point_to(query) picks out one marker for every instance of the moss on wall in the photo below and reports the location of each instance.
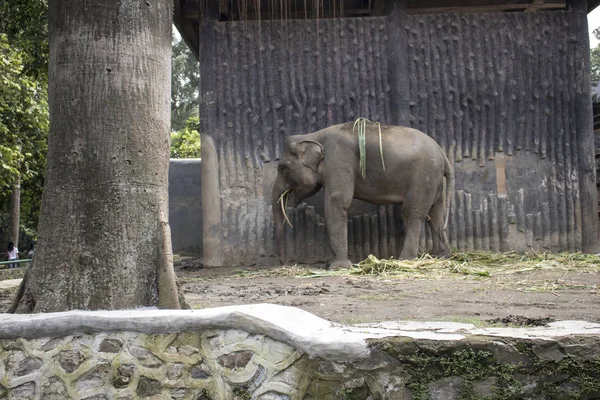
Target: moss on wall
(486, 368)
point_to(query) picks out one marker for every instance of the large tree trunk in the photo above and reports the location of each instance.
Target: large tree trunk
(104, 241)
(15, 212)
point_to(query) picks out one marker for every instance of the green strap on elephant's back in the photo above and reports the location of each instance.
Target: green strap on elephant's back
(362, 143)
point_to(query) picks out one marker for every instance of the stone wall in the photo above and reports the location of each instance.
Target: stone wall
(185, 205)
(273, 352)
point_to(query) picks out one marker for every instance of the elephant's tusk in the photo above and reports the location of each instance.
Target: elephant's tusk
(283, 206)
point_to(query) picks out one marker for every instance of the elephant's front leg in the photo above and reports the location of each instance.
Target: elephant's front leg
(337, 203)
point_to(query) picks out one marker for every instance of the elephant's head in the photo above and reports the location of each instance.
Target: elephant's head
(299, 175)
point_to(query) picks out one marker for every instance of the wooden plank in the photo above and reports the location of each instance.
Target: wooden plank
(441, 6)
(189, 10)
(378, 7)
(536, 5)
(299, 9)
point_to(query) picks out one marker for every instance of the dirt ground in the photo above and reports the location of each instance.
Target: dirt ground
(525, 297)
(519, 298)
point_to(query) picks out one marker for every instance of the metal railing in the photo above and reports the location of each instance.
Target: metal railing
(4, 264)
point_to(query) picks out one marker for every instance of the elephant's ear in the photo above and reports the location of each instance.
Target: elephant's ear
(311, 154)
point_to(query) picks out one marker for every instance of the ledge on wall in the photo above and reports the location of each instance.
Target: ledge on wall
(267, 351)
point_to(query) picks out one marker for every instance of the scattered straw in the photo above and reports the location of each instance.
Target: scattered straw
(479, 265)
(285, 271)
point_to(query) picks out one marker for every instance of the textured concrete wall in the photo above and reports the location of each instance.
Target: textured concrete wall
(503, 93)
(268, 352)
(185, 205)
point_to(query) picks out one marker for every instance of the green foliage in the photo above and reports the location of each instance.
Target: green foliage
(595, 58)
(565, 379)
(23, 119)
(204, 395)
(185, 143)
(185, 76)
(241, 393)
(25, 22)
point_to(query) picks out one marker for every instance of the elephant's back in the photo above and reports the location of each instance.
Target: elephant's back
(410, 134)
(406, 140)
(409, 142)
(392, 132)
(403, 149)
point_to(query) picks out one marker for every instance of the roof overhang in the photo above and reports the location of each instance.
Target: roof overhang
(187, 12)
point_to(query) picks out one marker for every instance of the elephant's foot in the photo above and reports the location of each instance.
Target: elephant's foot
(442, 252)
(339, 264)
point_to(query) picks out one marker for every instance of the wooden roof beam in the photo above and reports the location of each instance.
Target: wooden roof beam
(187, 27)
(442, 6)
(189, 9)
(535, 6)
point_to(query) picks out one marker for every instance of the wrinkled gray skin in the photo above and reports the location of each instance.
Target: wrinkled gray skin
(415, 168)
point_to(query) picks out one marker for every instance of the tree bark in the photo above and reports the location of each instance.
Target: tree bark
(102, 231)
(15, 212)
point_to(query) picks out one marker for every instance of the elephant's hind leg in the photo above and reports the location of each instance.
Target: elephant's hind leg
(441, 247)
(410, 249)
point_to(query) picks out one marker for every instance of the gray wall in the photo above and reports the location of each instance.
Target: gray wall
(185, 206)
(505, 94)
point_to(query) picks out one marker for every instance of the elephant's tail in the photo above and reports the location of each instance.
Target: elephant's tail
(449, 175)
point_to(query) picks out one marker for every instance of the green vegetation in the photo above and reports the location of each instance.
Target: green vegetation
(595, 57)
(185, 76)
(565, 379)
(503, 268)
(478, 263)
(24, 116)
(24, 121)
(185, 122)
(472, 264)
(25, 23)
(241, 393)
(185, 143)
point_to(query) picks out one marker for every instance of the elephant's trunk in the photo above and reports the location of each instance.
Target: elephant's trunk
(278, 201)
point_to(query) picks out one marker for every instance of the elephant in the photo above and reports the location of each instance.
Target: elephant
(403, 166)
